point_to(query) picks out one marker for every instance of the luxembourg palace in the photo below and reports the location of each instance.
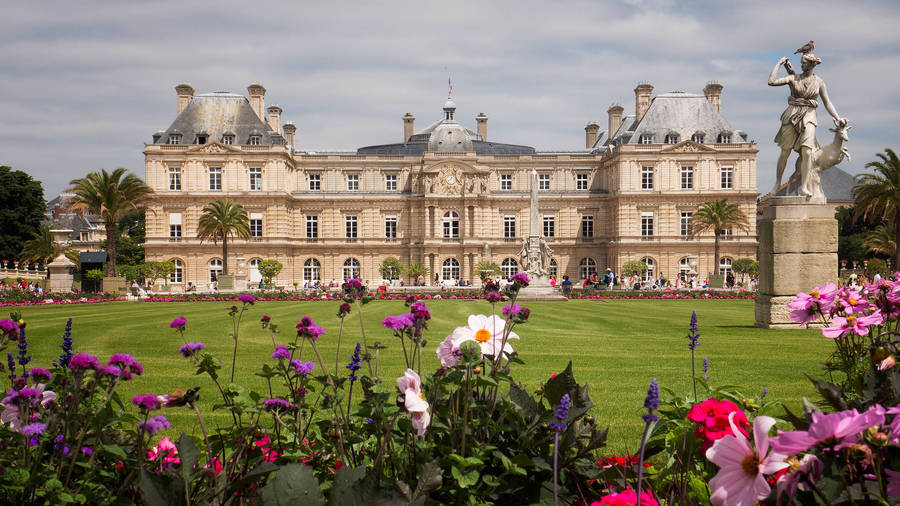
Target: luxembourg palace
(447, 197)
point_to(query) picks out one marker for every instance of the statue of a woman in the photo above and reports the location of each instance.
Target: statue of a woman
(798, 121)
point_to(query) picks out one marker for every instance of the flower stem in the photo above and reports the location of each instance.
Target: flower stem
(556, 468)
(337, 355)
(362, 330)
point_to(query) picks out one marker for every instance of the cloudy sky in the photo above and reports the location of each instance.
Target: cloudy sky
(84, 84)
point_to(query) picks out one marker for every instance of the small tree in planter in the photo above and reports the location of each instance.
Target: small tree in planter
(269, 270)
(634, 265)
(487, 270)
(743, 266)
(157, 270)
(415, 270)
(391, 268)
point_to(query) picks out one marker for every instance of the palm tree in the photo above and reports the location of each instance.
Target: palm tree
(109, 195)
(40, 248)
(487, 270)
(877, 195)
(718, 215)
(221, 219)
(880, 241)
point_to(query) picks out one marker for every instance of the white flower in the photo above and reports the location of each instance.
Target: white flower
(410, 384)
(487, 331)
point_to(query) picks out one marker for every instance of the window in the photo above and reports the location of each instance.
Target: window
(645, 139)
(687, 178)
(174, 227)
(727, 177)
(351, 269)
(350, 227)
(506, 181)
(543, 182)
(215, 179)
(698, 138)
(390, 227)
(201, 138)
(255, 178)
(646, 178)
(254, 140)
(727, 234)
(586, 267)
(648, 276)
(315, 182)
(686, 217)
(646, 224)
(312, 271)
(509, 226)
(685, 270)
(671, 139)
(725, 266)
(84, 236)
(724, 138)
(451, 224)
(255, 276)
(587, 227)
(509, 267)
(177, 275)
(581, 181)
(450, 269)
(352, 182)
(175, 179)
(553, 267)
(174, 139)
(228, 139)
(215, 269)
(390, 182)
(312, 227)
(549, 226)
(256, 228)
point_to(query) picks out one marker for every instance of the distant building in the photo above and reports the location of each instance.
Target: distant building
(88, 230)
(446, 196)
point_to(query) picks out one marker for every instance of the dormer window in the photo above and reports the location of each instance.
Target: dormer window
(254, 140)
(724, 138)
(228, 139)
(698, 138)
(201, 138)
(645, 139)
(671, 139)
(174, 139)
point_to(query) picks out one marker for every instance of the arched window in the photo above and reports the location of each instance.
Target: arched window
(725, 266)
(312, 271)
(649, 275)
(450, 269)
(177, 276)
(215, 269)
(509, 267)
(586, 267)
(255, 276)
(684, 268)
(553, 267)
(671, 138)
(351, 268)
(451, 224)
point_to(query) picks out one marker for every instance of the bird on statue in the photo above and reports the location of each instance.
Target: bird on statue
(807, 48)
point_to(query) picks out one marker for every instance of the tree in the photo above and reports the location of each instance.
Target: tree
(131, 228)
(391, 268)
(877, 195)
(743, 266)
(881, 241)
(222, 219)
(269, 269)
(157, 270)
(22, 208)
(414, 270)
(634, 265)
(109, 195)
(40, 248)
(718, 215)
(487, 270)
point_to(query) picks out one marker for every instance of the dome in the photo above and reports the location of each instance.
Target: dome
(450, 137)
(449, 104)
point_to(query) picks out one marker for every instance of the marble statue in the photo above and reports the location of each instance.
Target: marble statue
(798, 127)
(536, 253)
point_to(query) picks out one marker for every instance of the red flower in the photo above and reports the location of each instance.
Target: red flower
(711, 417)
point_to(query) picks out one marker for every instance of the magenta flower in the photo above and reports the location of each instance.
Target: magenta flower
(33, 429)
(511, 310)
(83, 361)
(127, 363)
(859, 325)
(308, 328)
(246, 298)
(10, 328)
(852, 302)
(420, 311)
(807, 474)
(493, 297)
(741, 479)
(281, 351)
(154, 424)
(303, 368)
(398, 322)
(277, 404)
(39, 374)
(806, 306)
(834, 429)
(893, 483)
(147, 402)
(520, 278)
(178, 323)
(110, 371)
(190, 349)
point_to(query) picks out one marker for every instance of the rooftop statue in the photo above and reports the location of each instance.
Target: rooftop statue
(798, 127)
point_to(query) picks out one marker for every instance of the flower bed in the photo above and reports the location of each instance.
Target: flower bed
(671, 294)
(70, 298)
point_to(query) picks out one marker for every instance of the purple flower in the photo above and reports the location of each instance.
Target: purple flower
(22, 347)
(521, 279)
(11, 362)
(60, 445)
(127, 363)
(190, 348)
(353, 284)
(10, 328)
(410, 299)
(308, 328)
(246, 298)
(66, 346)
(40, 375)
(651, 402)
(354, 363)
(303, 368)
(83, 361)
(420, 311)
(110, 370)
(178, 323)
(344, 310)
(493, 297)
(705, 369)
(562, 414)
(693, 337)
(34, 429)
(398, 322)
(281, 351)
(511, 310)
(155, 424)
(265, 318)
(277, 404)
(147, 402)
(87, 450)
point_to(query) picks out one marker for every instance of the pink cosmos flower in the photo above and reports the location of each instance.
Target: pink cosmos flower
(855, 323)
(410, 384)
(842, 427)
(806, 305)
(446, 353)
(487, 331)
(741, 479)
(808, 473)
(852, 302)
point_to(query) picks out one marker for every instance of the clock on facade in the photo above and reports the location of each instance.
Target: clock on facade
(451, 179)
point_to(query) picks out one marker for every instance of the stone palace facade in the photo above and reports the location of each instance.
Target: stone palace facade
(446, 197)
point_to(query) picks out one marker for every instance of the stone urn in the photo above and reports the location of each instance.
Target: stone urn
(61, 267)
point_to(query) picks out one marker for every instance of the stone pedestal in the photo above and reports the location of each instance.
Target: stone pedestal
(116, 285)
(539, 289)
(797, 251)
(226, 282)
(61, 267)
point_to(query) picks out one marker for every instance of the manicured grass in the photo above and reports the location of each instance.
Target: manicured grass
(615, 346)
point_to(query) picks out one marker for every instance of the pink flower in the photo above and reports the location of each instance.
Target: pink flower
(626, 497)
(167, 450)
(852, 302)
(887, 363)
(832, 428)
(807, 474)
(741, 479)
(446, 353)
(893, 483)
(806, 306)
(859, 325)
(714, 422)
(410, 384)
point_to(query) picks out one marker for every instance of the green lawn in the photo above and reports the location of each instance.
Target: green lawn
(615, 346)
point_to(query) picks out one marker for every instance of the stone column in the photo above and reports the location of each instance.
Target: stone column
(797, 251)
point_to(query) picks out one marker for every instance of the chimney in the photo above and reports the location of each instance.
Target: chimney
(274, 118)
(615, 119)
(257, 99)
(408, 126)
(713, 92)
(481, 119)
(185, 94)
(642, 100)
(590, 134)
(290, 132)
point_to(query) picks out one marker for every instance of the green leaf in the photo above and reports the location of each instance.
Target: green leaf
(162, 489)
(429, 479)
(465, 480)
(115, 450)
(530, 408)
(484, 380)
(831, 393)
(189, 454)
(562, 384)
(292, 484)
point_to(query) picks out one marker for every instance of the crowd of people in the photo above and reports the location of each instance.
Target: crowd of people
(21, 285)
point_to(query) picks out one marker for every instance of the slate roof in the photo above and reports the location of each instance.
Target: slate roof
(92, 257)
(217, 114)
